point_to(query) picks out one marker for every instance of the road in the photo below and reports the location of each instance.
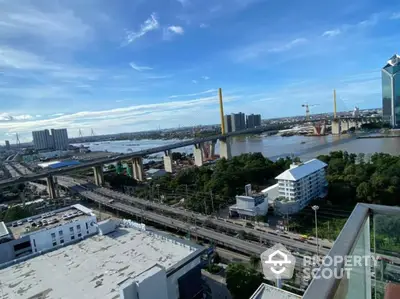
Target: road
(291, 241)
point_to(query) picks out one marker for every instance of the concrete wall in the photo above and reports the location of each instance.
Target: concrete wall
(173, 286)
(7, 252)
(154, 285)
(168, 166)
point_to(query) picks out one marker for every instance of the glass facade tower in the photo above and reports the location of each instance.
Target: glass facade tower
(391, 91)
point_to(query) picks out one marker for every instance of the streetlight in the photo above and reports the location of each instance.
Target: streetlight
(315, 208)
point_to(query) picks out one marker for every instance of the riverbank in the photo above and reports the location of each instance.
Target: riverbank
(378, 136)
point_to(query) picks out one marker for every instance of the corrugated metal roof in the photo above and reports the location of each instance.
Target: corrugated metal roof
(305, 169)
(64, 164)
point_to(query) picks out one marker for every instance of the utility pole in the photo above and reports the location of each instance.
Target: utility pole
(212, 201)
(287, 221)
(315, 208)
(100, 211)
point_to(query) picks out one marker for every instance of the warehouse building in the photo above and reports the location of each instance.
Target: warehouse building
(121, 259)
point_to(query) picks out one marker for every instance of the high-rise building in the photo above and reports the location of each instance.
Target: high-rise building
(60, 139)
(238, 121)
(228, 123)
(391, 91)
(7, 145)
(43, 140)
(253, 121)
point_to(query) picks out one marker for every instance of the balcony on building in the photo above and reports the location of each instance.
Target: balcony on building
(370, 231)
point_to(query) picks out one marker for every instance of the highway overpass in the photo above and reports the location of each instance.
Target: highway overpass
(134, 156)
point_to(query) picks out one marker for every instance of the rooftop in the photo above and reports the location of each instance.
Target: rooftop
(94, 267)
(48, 220)
(298, 172)
(393, 61)
(266, 291)
(3, 230)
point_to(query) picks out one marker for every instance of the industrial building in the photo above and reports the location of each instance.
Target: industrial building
(299, 185)
(111, 259)
(35, 234)
(249, 205)
(391, 91)
(58, 164)
(7, 145)
(57, 140)
(253, 121)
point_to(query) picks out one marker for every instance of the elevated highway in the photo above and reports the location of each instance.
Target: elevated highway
(137, 154)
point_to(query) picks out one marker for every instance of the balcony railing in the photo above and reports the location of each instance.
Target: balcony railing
(371, 233)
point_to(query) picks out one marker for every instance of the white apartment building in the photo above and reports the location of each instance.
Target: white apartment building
(43, 140)
(60, 137)
(299, 185)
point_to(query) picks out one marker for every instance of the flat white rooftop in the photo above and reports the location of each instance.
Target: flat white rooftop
(266, 291)
(91, 268)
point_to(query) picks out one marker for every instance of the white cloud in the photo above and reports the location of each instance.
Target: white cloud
(57, 114)
(288, 46)
(139, 68)
(202, 25)
(193, 94)
(149, 25)
(176, 29)
(8, 117)
(108, 120)
(184, 2)
(56, 25)
(194, 81)
(331, 33)
(22, 61)
(395, 16)
(205, 77)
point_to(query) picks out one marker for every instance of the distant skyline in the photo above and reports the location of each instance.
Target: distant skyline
(132, 65)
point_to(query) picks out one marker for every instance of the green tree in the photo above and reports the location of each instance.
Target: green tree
(255, 261)
(242, 281)
(363, 191)
(15, 213)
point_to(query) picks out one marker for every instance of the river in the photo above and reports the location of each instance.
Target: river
(272, 147)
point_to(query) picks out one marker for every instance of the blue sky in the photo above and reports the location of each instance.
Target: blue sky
(130, 65)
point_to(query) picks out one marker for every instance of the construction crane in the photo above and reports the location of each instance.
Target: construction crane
(308, 109)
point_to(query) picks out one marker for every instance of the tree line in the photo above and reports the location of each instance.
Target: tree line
(207, 188)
